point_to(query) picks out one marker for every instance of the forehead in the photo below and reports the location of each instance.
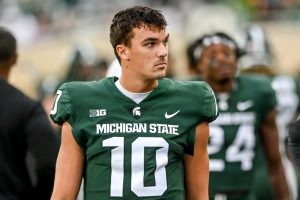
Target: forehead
(217, 48)
(144, 32)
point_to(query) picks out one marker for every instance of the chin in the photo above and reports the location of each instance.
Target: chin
(161, 75)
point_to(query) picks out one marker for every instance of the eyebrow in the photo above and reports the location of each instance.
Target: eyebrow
(150, 39)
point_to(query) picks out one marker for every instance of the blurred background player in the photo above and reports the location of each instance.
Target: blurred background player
(259, 60)
(24, 129)
(246, 122)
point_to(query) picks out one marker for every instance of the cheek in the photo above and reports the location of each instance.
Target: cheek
(141, 55)
(136, 57)
(140, 64)
(202, 66)
(233, 65)
(199, 68)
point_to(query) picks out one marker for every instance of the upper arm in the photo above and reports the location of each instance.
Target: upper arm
(270, 137)
(197, 166)
(69, 166)
(274, 163)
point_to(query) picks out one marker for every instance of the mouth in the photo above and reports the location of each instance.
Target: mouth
(224, 71)
(161, 65)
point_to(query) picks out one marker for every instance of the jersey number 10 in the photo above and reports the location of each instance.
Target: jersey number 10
(137, 166)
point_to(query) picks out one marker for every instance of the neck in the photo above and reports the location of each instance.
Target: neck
(138, 86)
(226, 85)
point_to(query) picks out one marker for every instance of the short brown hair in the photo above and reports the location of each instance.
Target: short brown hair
(126, 20)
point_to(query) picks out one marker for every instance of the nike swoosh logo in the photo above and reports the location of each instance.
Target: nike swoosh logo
(241, 106)
(168, 116)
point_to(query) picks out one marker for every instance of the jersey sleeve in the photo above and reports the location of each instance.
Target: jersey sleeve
(205, 110)
(67, 97)
(209, 108)
(61, 109)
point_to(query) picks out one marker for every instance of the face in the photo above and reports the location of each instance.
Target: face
(218, 63)
(147, 55)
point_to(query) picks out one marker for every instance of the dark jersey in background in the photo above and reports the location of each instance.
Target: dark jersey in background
(24, 128)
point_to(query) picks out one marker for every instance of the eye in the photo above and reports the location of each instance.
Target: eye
(229, 55)
(150, 44)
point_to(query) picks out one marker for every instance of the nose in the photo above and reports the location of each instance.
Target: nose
(221, 57)
(162, 50)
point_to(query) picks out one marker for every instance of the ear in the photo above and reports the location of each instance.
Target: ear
(14, 59)
(123, 52)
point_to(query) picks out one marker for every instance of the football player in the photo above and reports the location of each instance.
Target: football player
(258, 59)
(246, 121)
(140, 136)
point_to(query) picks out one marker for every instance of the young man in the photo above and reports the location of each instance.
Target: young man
(287, 91)
(24, 130)
(246, 122)
(258, 60)
(138, 137)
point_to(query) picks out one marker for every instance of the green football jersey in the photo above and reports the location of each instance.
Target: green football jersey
(134, 151)
(235, 135)
(288, 105)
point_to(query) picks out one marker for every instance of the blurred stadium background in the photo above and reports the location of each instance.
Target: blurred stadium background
(50, 32)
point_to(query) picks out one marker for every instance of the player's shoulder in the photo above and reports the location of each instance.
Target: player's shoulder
(255, 79)
(82, 87)
(188, 86)
(192, 92)
(255, 82)
(79, 85)
(197, 94)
